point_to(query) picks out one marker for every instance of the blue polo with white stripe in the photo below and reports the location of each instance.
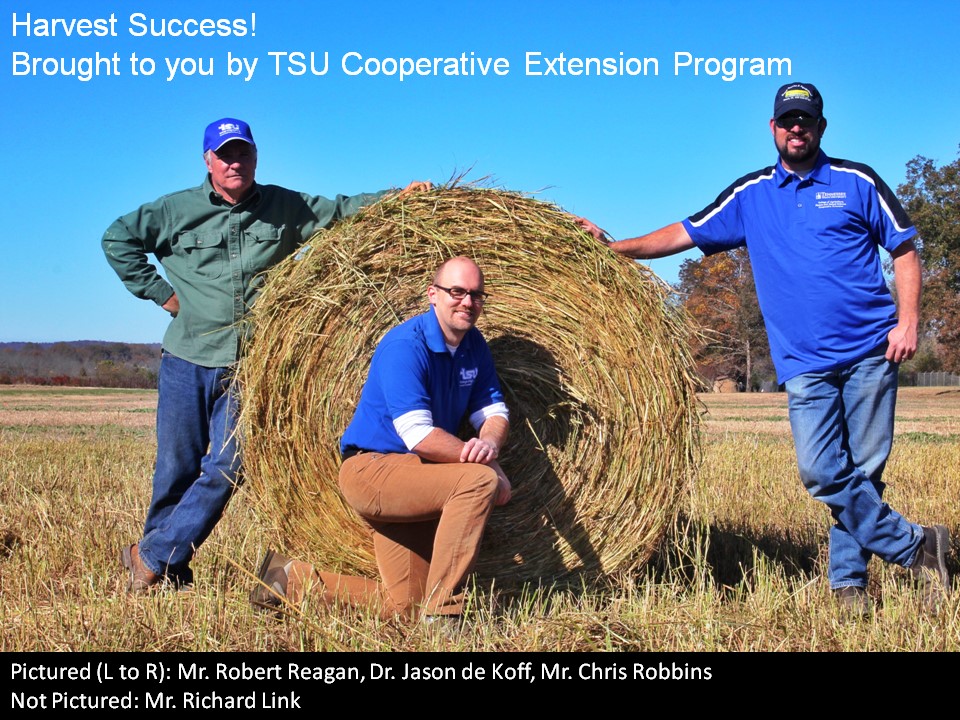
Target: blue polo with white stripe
(412, 369)
(813, 245)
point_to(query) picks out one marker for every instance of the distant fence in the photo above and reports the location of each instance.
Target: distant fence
(929, 379)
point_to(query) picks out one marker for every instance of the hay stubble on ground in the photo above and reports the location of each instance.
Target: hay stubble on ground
(745, 573)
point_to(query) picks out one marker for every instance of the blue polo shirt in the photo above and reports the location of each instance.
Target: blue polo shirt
(813, 247)
(412, 369)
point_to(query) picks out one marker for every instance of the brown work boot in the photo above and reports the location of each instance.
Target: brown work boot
(9, 541)
(142, 578)
(272, 590)
(854, 602)
(929, 566)
(282, 581)
(443, 627)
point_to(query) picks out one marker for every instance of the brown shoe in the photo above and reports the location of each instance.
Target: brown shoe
(854, 602)
(9, 541)
(443, 627)
(142, 578)
(929, 566)
(272, 590)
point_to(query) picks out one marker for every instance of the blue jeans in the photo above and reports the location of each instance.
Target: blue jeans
(197, 464)
(842, 423)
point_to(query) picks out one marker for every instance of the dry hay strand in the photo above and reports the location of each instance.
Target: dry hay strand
(591, 355)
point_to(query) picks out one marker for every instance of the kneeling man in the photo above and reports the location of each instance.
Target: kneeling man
(426, 494)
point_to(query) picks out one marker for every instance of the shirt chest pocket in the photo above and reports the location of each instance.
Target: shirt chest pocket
(266, 246)
(204, 254)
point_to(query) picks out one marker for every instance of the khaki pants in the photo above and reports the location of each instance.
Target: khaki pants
(427, 521)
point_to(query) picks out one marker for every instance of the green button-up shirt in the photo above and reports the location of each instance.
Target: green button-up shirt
(211, 252)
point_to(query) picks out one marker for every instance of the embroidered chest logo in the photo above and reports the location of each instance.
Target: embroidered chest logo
(831, 199)
(468, 376)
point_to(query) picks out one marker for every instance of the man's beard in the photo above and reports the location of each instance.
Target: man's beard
(795, 157)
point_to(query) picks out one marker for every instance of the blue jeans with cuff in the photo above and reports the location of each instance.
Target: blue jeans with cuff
(842, 422)
(197, 464)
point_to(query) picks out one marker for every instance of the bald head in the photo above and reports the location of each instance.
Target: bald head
(457, 296)
(455, 265)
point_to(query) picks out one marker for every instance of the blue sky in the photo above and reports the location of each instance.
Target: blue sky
(632, 153)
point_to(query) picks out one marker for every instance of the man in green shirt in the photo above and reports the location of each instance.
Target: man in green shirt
(212, 241)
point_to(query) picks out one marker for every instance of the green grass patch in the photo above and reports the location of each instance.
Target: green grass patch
(928, 438)
(72, 391)
(749, 418)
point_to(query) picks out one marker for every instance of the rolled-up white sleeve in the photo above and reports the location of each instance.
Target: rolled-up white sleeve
(414, 426)
(478, 418)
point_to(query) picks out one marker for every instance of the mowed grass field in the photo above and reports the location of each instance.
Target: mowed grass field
(743, 570)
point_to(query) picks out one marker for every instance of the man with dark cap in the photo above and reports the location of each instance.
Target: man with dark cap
(212, 241)
(812, 225)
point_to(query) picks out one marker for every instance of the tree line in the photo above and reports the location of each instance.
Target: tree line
(718, 291)
(86, 363)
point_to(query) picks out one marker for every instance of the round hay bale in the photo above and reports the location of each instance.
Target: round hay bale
(592, 358)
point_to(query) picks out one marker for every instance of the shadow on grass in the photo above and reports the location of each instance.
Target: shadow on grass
(726, 555)
(729, 553)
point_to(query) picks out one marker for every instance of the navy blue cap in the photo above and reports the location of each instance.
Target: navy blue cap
(223, 131)
(798, 96)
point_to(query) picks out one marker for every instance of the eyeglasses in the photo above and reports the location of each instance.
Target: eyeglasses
(785, 122)
(459, 293)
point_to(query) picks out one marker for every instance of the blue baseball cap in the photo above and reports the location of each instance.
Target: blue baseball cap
(222, 131)
(798, 96)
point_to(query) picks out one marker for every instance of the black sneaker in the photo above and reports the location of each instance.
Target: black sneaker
(929, 566)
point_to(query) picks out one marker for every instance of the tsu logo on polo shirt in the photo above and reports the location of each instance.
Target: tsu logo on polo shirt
(468, 376)
(831, 199)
